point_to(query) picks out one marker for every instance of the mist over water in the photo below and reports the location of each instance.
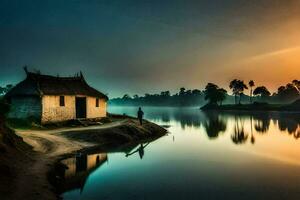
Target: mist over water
(205, 155)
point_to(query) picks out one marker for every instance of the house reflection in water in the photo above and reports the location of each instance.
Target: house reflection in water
(78, 168)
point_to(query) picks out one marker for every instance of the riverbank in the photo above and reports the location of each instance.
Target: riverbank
(293, 107)
(49, 145)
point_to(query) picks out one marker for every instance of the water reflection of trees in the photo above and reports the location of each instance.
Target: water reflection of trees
(185, 116)
(214, 125)
(289, 123)
(239, 135)
(261, 123)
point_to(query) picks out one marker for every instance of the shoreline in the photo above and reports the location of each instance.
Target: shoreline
(51, 146)
(255, 107)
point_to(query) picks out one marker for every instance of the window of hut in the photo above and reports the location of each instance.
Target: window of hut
(62, 101)
(97, 102)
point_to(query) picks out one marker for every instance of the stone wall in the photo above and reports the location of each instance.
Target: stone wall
(25, 107)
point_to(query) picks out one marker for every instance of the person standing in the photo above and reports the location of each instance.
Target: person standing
(140, 115)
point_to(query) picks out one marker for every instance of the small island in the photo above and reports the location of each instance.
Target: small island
(264, 101)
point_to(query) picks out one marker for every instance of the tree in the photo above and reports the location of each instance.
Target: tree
(296, 84)
(214, 94)
(182, 91)
(165, 93)
(196, 92)
(126, 96)
(280, 89)
(238, 87)
(251, 85)
(262, 91)
(288, 92)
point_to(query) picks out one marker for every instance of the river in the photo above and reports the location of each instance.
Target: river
(204, 156)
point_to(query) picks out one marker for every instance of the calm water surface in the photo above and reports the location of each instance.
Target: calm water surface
(204, 156)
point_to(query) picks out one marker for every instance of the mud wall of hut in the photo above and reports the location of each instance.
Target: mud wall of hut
(93, 111)
(53, 112)
(25, 107)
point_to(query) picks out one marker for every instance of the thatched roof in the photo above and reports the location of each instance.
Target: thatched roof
(37, 84)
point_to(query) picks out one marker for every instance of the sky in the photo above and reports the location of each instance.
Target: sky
(140, 46)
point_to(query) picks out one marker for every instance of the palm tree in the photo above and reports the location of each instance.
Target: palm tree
(238, 87)
(251, 85)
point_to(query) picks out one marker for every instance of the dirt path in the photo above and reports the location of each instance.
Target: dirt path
(48, 145)
(51, 143)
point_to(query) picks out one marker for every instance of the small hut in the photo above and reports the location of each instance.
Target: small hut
(54, 99)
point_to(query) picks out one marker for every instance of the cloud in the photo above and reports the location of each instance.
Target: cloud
(275, 53)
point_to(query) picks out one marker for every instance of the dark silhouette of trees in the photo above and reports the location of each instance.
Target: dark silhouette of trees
(126, 96)
(182, 91)
(251, 85)
(238, 87)
(183, 98)
(296, 84)
(214, 94)
(287, 93)
(165, 94)
(261, 91)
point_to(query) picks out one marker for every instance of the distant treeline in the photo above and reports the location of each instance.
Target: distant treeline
(242, 93)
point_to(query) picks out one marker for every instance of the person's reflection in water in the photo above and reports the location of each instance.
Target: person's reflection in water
(140, 150)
